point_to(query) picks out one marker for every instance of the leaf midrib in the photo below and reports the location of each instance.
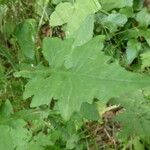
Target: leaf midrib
(99, 78)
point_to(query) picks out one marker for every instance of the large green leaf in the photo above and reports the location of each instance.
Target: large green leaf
(74, 15)
(85, 75)
(3, 11)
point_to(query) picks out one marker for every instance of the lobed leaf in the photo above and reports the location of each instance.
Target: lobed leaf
(87, 76)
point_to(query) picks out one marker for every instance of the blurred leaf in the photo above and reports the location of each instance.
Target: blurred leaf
(143, 18)
(113, 4)
(146, 35)
(145, 57)
(138, 145)
(3, 10)
(42, 9)
(6, 141)
(2, 77)
(56, 1)
(72, 141)
(6, 109)
(138, 4)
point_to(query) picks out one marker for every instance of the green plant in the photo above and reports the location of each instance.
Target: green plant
(88, 89)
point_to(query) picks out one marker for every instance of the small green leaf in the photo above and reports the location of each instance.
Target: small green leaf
(40, 5)
(72, 141)
(26, 37)
(85, 31)
(132, 34)
(113, 21)
(89, 112)
(146, 35)
(6, 109)
(132, 51)
(113, 4)
(128, 11)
